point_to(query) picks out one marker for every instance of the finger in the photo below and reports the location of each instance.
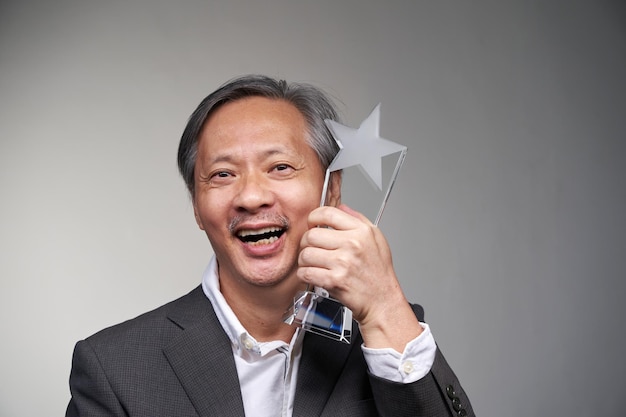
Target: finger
(333, 217)
(313, 276)
(322, 277)
(338, 262)
(321, 237)
(311, 256)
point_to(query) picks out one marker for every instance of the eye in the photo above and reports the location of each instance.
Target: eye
(282, 167)
(283, 170)
(219, 178)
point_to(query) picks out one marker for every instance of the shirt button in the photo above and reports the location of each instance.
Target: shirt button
(407, 367)
(248, 343)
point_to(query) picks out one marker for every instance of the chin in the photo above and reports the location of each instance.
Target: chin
(269, 280)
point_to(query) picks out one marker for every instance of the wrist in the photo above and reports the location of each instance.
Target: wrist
(392, 327)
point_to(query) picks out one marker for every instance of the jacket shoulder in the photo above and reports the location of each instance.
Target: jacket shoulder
(168, 318)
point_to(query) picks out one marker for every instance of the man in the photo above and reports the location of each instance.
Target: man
(253, 156)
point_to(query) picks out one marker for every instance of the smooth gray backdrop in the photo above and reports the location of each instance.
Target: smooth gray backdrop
(507, 222)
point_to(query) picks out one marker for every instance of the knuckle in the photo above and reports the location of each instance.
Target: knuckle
(304, 274)
(303, 258)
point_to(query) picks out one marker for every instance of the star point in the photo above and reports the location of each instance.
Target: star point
(362, 146)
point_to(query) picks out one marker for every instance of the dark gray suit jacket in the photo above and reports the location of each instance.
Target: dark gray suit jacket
(178, 361)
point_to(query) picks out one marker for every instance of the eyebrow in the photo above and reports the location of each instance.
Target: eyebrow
(265, 154)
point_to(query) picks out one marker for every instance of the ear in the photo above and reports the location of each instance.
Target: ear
(333, 195)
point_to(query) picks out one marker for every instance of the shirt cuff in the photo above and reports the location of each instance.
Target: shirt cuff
(413, 364)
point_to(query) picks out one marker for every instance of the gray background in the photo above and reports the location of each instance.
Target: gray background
(507, 221)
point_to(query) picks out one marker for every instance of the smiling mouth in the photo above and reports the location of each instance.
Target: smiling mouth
(263, 236)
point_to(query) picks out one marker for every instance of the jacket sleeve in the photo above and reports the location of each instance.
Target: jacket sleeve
(439, 393)
(92, 395)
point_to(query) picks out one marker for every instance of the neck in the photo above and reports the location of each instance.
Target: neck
(261, 309)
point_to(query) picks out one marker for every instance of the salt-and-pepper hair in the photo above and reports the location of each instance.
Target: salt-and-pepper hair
(314, 105)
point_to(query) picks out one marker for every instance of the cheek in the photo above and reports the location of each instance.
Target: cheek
(300, 204)
(210, 212)
(305, 198)
(310, 189)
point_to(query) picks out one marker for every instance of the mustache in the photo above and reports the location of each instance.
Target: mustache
(258, 218)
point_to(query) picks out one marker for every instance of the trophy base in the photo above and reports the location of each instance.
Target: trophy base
(321, 315)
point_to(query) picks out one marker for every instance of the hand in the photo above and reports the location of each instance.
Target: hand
(350, 258)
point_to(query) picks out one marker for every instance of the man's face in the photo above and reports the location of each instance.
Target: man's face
(256, 181)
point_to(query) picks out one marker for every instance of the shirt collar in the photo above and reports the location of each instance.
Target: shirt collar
(243, 343)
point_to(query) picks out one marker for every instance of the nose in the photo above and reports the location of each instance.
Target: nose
(254, 193)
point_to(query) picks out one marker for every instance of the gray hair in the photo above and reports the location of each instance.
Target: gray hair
(312, 103)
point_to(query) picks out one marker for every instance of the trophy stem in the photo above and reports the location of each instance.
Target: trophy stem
(394, 176)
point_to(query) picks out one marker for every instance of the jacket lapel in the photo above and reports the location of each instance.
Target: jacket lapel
(322, 361)
(202, 358)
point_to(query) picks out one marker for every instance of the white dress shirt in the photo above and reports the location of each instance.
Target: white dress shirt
(268, 371)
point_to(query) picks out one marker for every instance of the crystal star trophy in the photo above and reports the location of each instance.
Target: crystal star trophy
(367, 161)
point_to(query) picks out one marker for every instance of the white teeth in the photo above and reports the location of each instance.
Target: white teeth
(244, 233)
(263, 241)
